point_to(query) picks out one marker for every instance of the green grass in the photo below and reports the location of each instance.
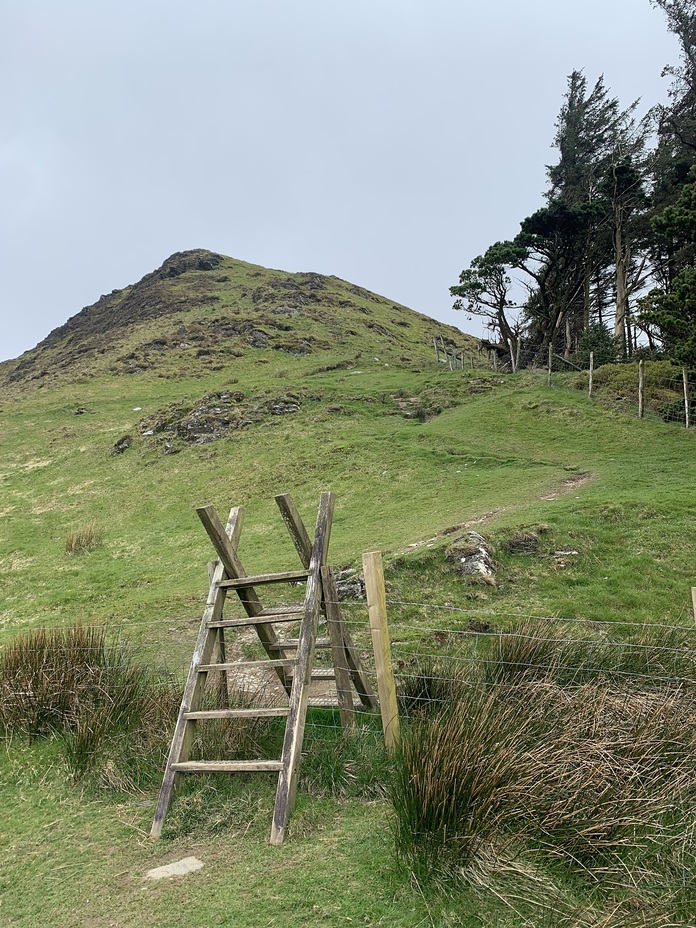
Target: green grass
(504, 456)
(87, 861)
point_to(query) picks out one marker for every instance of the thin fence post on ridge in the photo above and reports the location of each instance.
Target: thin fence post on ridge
(687, 411)
(641, 387)
(589, 389)
(548, 382)
(386, 685)
(437, 349)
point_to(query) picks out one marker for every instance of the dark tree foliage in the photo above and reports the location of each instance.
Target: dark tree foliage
(673, 310)
(580, 252)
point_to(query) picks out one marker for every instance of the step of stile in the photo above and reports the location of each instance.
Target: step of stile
(328, 702)
(288, 576)
(259, 713)
(228, 766)
(246, 665)
(265, 617)
(289, 643)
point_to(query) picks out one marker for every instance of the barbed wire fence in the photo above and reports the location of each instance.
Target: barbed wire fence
(643, 390)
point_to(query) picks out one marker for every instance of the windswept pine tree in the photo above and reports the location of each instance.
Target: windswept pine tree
(585, 249)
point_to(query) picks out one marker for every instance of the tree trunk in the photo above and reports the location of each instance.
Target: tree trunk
(568, 338)
(621, 260)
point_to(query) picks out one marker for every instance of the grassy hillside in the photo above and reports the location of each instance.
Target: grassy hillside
(410, 451)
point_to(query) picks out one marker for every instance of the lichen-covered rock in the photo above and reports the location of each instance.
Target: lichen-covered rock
(350, 585)
(472, 557)
(123, 444)
(211, 417)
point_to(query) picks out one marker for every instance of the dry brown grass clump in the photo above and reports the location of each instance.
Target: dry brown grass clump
(83, 539)
(597, 779)
(73, 683)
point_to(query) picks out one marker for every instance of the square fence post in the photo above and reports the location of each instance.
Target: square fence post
(386, 685)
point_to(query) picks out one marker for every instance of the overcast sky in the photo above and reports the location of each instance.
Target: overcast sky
(385, 141)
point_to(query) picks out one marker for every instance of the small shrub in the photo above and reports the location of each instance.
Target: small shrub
(83, 539)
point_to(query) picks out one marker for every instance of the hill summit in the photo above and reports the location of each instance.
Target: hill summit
(200, 310)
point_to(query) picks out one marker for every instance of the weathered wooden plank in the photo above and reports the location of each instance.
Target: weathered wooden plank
(281, 611)
(286, 576)
(334, 621)
(229, 766)
(296, 527)
(255, 620)
(193, 691)
(377, 607)
(288, 644)
(245, 665)
(260, 713)
(294, 731)
(235, 570)
(328, 702)
(367, 695)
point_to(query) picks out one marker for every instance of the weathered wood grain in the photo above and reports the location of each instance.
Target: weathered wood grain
(334, 621)
(377, 607)
(296, 527)
(294, 731)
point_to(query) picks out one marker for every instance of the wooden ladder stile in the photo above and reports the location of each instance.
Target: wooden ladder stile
(291, 659)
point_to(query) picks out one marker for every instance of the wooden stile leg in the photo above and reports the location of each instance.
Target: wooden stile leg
(334, 623)
(195, 683)
(294, 732)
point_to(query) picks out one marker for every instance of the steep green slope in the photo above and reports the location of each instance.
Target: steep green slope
(410, 451)
(493, 454)
(201, 312)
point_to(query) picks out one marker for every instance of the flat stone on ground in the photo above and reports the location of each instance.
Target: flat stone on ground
(178, 868)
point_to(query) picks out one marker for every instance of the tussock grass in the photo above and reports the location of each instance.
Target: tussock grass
(533, 760)
(83, 539)
(73, 683)
(424, 685)
(544, 650)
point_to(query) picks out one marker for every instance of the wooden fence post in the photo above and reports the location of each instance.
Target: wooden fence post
(641, 387)
(693, 600)
(589, 392)
(548, 379)
(687, 411)
(437, 349)
(386, 685)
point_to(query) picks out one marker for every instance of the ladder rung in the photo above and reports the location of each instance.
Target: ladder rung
(256, 620)
(228, 766)
(286, 577)
(259, 713)
(282, 610)
(239, 665)
(323, 673)
(328, 702)
(288, 643)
